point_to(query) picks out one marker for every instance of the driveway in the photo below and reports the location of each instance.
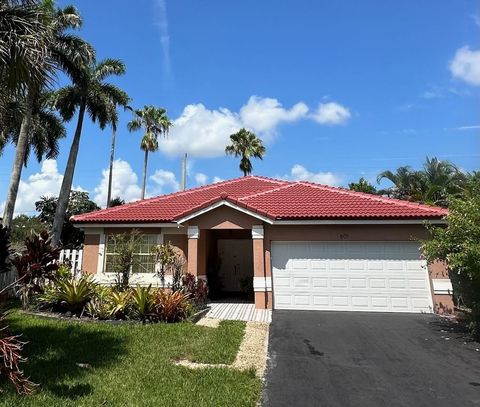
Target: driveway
(369, 359)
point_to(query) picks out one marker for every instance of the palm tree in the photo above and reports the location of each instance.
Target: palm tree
(62, 51)
(45, 132)
(245, 144)
(155, 123)
(433, 184)
(88, 93)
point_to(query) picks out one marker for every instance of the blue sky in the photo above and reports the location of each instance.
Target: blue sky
(337, 90)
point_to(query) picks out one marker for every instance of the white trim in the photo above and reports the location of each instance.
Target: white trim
(257, 232)
(361, 222)
(193, 232)
(101, 254)
(224, 203)
(262, 283)
(126, 225)
(442, 286)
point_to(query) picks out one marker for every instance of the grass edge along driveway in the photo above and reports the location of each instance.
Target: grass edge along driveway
(93, 364)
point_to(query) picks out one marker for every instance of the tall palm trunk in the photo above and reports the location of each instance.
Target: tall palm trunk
(18, 162)
(64, 195)
(112, 156)
(145, 161)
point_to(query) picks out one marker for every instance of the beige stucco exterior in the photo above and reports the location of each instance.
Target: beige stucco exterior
(193, 239)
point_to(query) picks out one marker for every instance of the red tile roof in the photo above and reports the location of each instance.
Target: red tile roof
(275, 199)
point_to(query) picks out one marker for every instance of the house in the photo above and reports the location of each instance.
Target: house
(299, 245)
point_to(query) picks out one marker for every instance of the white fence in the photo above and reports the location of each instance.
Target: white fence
(73, 257)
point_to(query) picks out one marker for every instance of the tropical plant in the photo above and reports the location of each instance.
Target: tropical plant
(117, 201)
(165, 258)
(120, 303)
(36, 264)
(74, 293)
(171, 306)
(60, 51)
(196, 288)
(142, 302)
(24, 47)
(124, 246)
(432, 185)
(155, 122)
(362, 186)
(245, 144)
(79, 202)
(88, 93)
(458, 245)
(10, 359)
(99, 308)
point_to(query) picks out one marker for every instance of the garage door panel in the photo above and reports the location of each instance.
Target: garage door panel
(369, 277)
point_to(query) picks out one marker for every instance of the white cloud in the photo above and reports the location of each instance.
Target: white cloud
(124, 184)
(300, 173)
(263, 115)
(201, 179)
(217, 179)
(47, 183)
(466, 65)
(331, 113)
(202, 132)
(165, 181)
(162, 25)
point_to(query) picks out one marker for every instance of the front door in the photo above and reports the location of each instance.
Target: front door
(236, 263)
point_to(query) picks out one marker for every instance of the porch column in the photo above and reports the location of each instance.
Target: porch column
(262, 285)
(192, 262)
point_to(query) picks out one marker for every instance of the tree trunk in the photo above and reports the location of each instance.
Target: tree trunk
(64, 195)
(144, 174)
(18, 163)
(112, 156)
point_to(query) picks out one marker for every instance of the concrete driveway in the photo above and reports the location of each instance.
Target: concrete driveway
(369, 359)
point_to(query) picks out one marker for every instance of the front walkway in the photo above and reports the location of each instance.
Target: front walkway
(239, 311)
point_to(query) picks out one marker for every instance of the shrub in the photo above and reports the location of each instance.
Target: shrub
(196, 289)
(10, 359)
(171, 306)
(458, 245)
(37, 263)
(120, 302)
(165, 258)
(142, 302)
(99, 308)
(69, 293)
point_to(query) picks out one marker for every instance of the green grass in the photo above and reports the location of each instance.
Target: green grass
(131, 365)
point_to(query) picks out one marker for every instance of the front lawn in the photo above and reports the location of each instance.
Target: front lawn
(94, 364)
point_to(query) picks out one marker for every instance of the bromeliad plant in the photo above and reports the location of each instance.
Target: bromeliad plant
(142, 302)
(171, 306)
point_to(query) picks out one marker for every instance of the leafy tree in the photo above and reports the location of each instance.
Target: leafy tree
(362, 186)
(245, 144)
(88, 93)
(22, 227)
(117, 201)
(458, 245)
(60, 51)
(78, 203)
(155, 122)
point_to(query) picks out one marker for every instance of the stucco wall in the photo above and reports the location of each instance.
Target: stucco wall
(90, 253)
(224, 218)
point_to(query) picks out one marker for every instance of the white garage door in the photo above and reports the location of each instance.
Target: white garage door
(350, 276)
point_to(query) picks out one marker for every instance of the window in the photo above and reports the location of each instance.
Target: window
(143, 261)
